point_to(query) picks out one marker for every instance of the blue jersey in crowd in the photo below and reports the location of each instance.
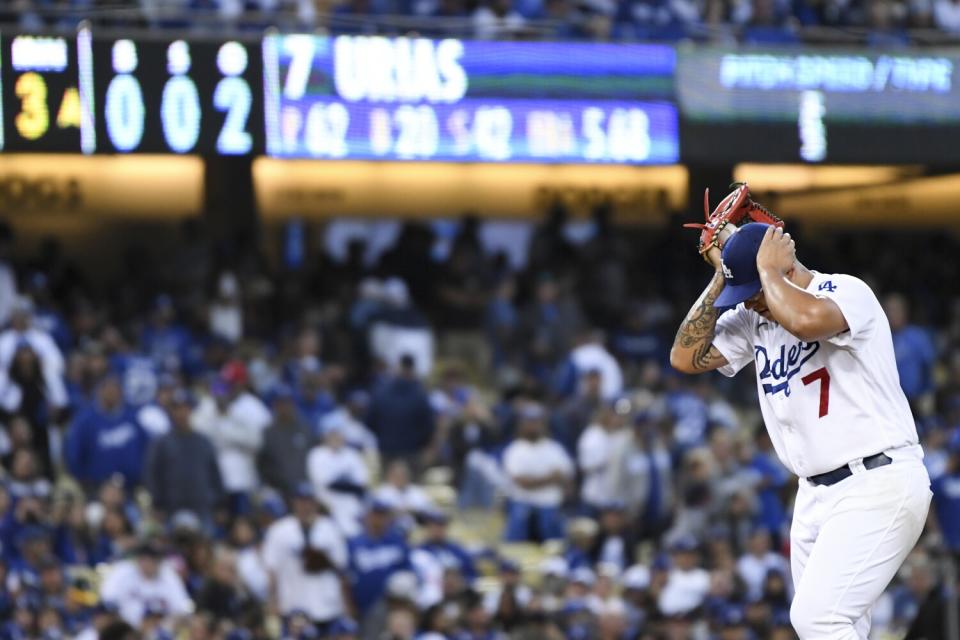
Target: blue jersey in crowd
(373, 561)
(139, 378)
(771, 512)
(101, 444)
(452, 555)
(946, 502)
(915, 355)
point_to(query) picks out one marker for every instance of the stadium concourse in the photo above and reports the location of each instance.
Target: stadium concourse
(476, 447)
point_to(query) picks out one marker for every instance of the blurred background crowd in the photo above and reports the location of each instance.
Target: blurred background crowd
(419, 435)
(875, 22)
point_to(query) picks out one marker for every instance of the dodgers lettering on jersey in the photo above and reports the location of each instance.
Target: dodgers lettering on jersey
(775, 372)
(828, 402)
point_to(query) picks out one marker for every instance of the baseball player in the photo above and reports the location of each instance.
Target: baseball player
(831, 400)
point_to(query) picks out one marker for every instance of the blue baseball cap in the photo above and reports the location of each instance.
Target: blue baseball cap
(738, 261)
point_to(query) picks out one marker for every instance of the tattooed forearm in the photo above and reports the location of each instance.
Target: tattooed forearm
(693, 349)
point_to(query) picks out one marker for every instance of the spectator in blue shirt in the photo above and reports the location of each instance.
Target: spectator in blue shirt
(401, 415)
(313, 398)
(106, 439)
(376, 554)
(168, 343)
(946, 497)
(449, 553)
(773, 477)
(913, 348)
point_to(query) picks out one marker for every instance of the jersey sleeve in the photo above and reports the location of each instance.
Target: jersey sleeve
(857, 303)
(733, 340)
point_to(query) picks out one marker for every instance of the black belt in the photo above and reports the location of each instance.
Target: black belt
(844, 472)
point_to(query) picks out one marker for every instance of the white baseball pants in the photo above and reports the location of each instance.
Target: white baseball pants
(847, 542)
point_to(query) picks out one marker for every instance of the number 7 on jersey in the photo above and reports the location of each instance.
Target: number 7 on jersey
(823, 376)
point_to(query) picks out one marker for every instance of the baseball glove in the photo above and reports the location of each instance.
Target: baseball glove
(737, 208)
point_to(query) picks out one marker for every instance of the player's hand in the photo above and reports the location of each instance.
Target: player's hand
(712, 255)
(777, 252)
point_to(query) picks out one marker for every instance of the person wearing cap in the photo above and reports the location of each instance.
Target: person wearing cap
(596, 451)
(642, 476)
(376, 553)
(33, 548)
(234, 420)
(105, 438)
(306, 557)
(838, 418)
(438, 556)
(340, 478)
(134, 583)
(282, 460)
(182, 472)
(687, 582)
(437, 542)
(540, 472)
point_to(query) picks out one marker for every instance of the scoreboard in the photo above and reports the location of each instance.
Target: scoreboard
(176, 96)
(117, 95)
(344, 97)
(361, 97)
(40, 86)
(370, 97)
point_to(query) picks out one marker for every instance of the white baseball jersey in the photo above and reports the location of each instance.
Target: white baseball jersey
(829, 402)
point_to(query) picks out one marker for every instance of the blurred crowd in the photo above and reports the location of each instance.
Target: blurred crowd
(436, 439)
(885, 22)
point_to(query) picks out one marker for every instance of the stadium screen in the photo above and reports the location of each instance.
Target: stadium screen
(361, 97)
(818, 106)
(94, 94)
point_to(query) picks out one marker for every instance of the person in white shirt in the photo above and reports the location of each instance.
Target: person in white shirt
(596, 451)
(758, 561)
(832, 403)
(23, 334)
(687, 583)
(592, 355)
(540, 471)
(305, 555)
(234, 420)
(408, 499)
(340, 479)
(349, 417)
(132, 584)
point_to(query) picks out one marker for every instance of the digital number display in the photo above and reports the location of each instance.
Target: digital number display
(364, 97)
(824, 106)
(41, 105)
(178, 96)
